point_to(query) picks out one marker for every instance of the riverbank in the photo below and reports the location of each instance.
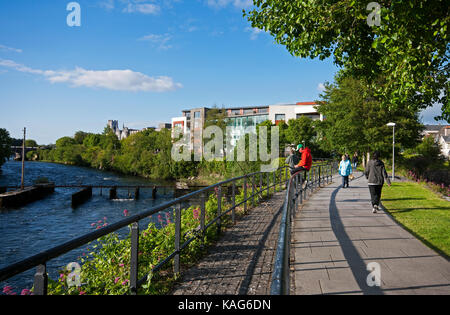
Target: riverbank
(41, 225)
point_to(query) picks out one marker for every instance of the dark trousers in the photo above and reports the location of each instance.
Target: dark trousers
(375, 194)
(298, 169)
(344, 181)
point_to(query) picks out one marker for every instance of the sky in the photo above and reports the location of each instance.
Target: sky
(140, 62)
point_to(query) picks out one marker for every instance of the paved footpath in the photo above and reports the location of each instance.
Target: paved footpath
(241, 261)
(336, 236)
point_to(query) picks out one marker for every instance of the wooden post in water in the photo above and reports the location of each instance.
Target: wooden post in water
(113, 193)
(136, 193)
(23, 160)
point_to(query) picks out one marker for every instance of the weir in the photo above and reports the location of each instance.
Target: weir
(19, 198)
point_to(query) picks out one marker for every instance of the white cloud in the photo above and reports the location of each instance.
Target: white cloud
(161, 41)
(254, 32)
(144, 8)
(6, 48)
(321, 87)
(107, 5)
(116, 80)
(218, 4)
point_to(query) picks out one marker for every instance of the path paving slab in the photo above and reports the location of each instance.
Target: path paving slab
(336, 237)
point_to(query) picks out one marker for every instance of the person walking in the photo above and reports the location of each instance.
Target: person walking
(345, 169)
(355, 160)
(376, 174)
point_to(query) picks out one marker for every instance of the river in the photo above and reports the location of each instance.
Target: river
(46, 223)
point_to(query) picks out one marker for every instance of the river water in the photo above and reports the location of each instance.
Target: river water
(49, 222)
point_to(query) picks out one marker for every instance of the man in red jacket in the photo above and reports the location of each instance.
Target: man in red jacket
(305, 163)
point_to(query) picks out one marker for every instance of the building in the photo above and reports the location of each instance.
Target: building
(241, 120)
(121, 134)
(444, 141)
(441, 134)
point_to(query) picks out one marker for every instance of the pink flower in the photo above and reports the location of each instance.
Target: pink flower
(121, 265)
(125, 282)
(125, 212)
(25, 292)
(99, 221)
(196, 214)
(7, 289)
(93, 224)
(116, 280)
(82, 292)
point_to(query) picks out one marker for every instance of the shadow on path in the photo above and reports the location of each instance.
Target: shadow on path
(354, 260)
(243, 289)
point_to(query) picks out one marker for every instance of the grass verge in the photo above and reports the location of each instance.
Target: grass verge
(421, 212)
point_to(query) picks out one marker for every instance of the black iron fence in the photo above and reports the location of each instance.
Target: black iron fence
(259, 181)
(298, 187)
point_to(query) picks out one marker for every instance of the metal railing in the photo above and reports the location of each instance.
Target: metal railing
(39, 261)
(295, 195)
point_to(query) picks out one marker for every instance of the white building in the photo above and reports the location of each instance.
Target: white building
(286, 112)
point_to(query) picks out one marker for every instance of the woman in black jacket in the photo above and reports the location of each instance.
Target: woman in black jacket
(376, 174)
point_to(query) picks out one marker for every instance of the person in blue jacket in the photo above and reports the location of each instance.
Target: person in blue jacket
(345, 169)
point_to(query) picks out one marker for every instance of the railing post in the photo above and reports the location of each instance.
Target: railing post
(253, 189)
(233, 201)
(219, 208)
(260, 184)
(176, 261)
(40, 280)
(134, 260)
(319, 175)
(245, 195)
(268, 184)
(286, 177)
(281, 179)
(202, 215)
(274, 182)
(301, 189)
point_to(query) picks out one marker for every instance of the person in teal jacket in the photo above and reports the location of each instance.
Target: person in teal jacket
(345, 169)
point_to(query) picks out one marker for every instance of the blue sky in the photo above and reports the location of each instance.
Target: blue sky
(140, 62)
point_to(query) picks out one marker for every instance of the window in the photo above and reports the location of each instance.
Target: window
(196, 114)
(248, 111)
(311, 116)
(279, 117)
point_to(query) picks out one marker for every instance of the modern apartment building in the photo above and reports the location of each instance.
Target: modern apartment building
(242, 120)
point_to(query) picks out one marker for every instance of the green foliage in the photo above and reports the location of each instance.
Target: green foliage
(5, 145)
(355, 120)
(426, 155)
(105, 267)
(31, 143)
(409, 49)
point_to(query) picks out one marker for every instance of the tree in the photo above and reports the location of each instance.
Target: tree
(80, 136)
(5, 145)
(300, 130)
(31, 143)
(404, 57)
(357, 122)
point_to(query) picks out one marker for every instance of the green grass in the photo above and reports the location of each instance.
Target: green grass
(421, 212)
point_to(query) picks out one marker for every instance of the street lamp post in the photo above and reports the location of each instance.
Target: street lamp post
(391, 124)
